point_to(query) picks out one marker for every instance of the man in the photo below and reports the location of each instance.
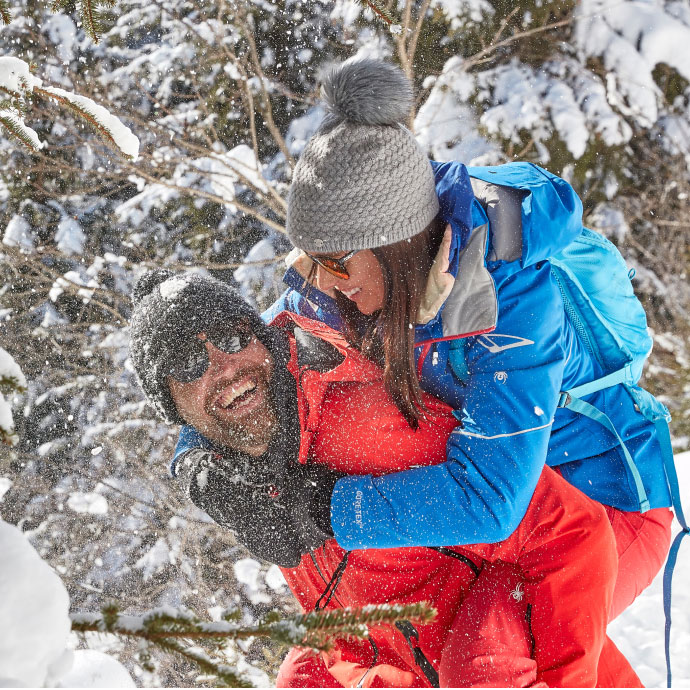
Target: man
(285, 411)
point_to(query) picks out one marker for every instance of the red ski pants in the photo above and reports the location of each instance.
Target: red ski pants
(492, 644)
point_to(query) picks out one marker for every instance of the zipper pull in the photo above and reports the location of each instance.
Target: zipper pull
(434, 358)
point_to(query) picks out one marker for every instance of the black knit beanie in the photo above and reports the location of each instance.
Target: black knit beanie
(171, 308)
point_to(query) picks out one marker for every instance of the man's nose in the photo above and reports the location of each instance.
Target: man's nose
(222, 362)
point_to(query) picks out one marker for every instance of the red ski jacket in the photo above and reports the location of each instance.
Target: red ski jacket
(349, 423)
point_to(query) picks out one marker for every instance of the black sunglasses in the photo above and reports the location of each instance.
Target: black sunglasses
(334, 266)
(190, 360)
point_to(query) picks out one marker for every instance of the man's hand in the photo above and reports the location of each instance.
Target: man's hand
(278, 526)
(439, 283)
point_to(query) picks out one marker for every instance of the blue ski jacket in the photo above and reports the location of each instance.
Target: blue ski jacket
(500, 351)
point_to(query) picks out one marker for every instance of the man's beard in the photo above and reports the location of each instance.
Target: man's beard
(242, 409)
(282, 434)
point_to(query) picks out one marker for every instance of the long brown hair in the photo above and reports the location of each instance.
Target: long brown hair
(388, 336)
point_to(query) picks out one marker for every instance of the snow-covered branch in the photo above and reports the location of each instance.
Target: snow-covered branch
(19, 84)
(173, 630)
(11, 381)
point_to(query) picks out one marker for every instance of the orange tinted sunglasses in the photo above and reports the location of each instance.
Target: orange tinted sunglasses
(334, 266)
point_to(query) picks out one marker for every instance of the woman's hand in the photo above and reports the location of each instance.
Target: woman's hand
(439, 283)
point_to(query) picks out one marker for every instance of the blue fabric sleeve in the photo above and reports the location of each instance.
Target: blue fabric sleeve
(495, 458)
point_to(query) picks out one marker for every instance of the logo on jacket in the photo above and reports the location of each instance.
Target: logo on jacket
(496, 342)
(517, 593)
(358, 509)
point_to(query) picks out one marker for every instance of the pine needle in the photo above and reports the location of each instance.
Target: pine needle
(13, 126)
(10, 384)
(177, 631)
(91, 19)
(5, 14)
(58, 5)
(83, 113)
(228, 677)
(379, 10)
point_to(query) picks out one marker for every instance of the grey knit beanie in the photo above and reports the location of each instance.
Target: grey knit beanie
(362, 180)
(170, 309)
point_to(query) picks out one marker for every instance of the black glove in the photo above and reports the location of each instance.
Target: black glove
(276, 525)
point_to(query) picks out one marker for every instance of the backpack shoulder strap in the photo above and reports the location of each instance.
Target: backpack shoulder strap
(570, 399)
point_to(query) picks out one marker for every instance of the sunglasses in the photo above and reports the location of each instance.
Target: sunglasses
(334, 266)
(190, 360)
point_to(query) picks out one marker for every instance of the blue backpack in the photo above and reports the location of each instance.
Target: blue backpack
(601, 304)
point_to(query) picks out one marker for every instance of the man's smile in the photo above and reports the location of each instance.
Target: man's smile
(240, 396)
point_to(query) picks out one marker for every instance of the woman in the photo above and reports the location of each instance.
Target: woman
(471, 313)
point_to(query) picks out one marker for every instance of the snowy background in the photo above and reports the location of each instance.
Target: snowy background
(639, 631)
(221, 100)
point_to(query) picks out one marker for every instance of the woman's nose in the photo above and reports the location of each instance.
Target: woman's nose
(325, 281)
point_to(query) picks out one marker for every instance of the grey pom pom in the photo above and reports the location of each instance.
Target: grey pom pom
(367, 92)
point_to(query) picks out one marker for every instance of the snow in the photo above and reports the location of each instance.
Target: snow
(274, 578)
(7, 421)
(633, 38)
(157, 557)
(9, 368)
(18, 233)
(5, 485)
(457, 10)
(639, 631)
(91, 503)
(124, 139)
(16, 78)
(15, 75)
(34, 609)
(63, 33)
(69, 236)
(93, 669)
(248, 572)
(171, 288)
(610, 221)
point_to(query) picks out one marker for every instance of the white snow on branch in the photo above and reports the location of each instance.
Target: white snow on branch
(90, 502)
(10, 371)
(632, 38)
(17, 82)
(17, 122)
(69, 236)
(458, 10)
(18, 233)
(15, 75)
(123, 137)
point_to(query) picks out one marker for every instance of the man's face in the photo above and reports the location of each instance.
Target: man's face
(230, 403)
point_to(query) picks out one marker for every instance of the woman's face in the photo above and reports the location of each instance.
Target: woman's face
(365, 285)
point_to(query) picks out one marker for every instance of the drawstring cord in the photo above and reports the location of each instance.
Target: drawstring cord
(332, 584)
(405, 627)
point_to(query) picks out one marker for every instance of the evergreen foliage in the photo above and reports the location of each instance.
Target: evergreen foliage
(178, 632)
